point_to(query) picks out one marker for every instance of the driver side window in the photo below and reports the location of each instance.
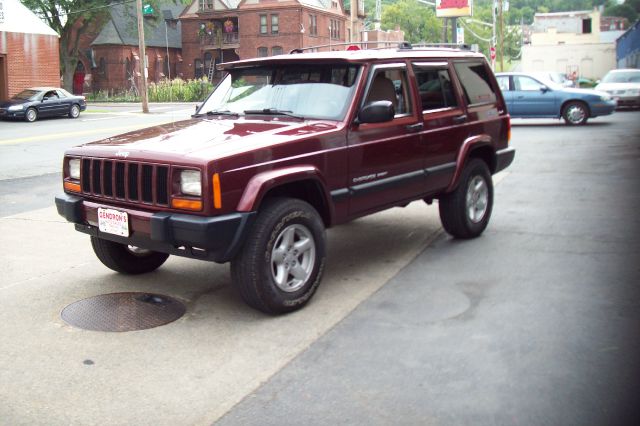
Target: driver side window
(50, 95)
(391, 84)
(527, 84)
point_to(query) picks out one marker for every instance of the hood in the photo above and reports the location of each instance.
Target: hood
(583, 92)
(207, 138)
(617, 86)
(9, 102)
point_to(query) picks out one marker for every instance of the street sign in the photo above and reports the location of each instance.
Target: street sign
(492, 51)
(147, 9)
(460, 35)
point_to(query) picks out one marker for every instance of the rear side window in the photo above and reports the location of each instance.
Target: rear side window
(434, 85)
(476, 82)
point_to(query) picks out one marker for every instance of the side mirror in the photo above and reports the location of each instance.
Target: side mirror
(377, 112)
(197, 107)
(544, 89)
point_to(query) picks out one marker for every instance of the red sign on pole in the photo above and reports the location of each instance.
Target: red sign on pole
(492, 53)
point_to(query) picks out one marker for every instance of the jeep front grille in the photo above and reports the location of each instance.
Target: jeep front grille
(127, 181)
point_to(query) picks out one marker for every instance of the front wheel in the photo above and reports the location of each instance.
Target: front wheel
(74, 111)
(31, 115)
(127, 259)
(575, 113)
(280, 266)
(465, 212)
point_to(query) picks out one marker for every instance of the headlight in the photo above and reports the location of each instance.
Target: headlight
(16, 107)
(74, 168)
(190, 182)
(605, 98)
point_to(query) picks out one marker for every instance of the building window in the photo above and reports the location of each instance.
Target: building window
(263, 24)
(313, 25)
(276, 50)
(197, 65)
(262, 52)
(206, 4)
(586, 26)
(274, 24)
(207, 63)
(334, 29)
(334, 4)
(102, 67)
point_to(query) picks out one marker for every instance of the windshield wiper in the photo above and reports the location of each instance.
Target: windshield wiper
(274, 111)
(223, 112)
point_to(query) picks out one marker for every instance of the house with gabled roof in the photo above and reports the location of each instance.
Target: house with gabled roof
(113, 57)
(215, 31)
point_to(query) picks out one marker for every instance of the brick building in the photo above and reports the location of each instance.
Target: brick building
(113, 57)
(215, 31)
(28, 50)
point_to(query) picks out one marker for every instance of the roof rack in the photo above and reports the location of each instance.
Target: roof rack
(399, 45)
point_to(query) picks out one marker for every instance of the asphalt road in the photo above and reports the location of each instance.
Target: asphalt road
(31, 153)
(534, 323)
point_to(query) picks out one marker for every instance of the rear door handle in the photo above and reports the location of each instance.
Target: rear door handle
(460, 119)
(415, 127)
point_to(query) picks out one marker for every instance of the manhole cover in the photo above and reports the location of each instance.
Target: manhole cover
(123, 312)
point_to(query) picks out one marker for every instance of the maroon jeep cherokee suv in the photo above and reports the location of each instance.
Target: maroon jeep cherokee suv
(286, 147)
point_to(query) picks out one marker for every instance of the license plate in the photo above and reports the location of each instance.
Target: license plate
(113, 221)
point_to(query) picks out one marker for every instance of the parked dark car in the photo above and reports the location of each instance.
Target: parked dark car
(285, 147)
(527, 96)
(30, 104)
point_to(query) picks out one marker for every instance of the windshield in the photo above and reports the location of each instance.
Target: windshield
(302, 90)
(622, 77)
(26, 94)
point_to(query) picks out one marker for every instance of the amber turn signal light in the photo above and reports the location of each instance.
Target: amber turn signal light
(181, 203)
(217, 195)
(73, 187)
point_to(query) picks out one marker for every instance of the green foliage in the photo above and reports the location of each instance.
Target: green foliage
(176, 90)
(623, 10)
(418, 21)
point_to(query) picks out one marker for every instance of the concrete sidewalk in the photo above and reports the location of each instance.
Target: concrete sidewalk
(535, 323)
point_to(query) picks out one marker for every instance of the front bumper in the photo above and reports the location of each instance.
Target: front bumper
(603, 108)
(504, 158)
(5, 113)
(215, 238)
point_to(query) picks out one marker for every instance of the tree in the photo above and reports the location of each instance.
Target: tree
(623, 10)
(418, 21)
(70, 19)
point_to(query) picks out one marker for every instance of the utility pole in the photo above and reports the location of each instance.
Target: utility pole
(143, 59)
(492, 48)
(501, 35)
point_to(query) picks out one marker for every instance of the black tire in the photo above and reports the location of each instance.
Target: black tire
(31, 115)
(575, 113)
(126, 259)
(74, 111)
(280, 265)
(465, 212)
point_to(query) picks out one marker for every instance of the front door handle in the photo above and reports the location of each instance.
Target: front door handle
(460, 119)
(415, 127)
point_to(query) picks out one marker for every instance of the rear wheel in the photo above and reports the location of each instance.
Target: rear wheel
(74, 111)
(575, 113)
(280, 266)
(31, 115)
(465, 212)
(127, 259)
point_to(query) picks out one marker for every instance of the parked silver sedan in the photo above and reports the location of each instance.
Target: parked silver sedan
(623, 85)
